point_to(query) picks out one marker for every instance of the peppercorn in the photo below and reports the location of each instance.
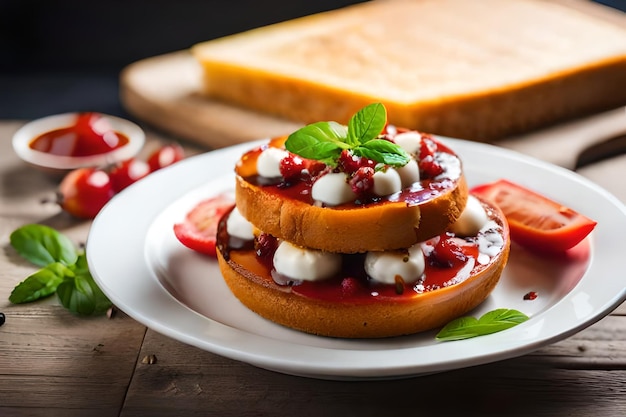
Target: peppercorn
(2, 318)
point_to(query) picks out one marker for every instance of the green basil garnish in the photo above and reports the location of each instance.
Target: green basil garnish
(324, 141)
(491, 322)
(65, 271)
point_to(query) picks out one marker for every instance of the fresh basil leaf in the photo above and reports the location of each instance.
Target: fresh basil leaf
(491, 322)
(81, 267)
(322, 141)
(381, 150)
(332, 132)
(366, 124)
(81, 295)
(503, 315)
(42, 245)
(41, 284)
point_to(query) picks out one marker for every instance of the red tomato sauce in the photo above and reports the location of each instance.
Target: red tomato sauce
(352, 283)
(427, 189)
(90, 135)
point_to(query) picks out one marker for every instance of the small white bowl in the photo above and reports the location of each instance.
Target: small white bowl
(58, 164)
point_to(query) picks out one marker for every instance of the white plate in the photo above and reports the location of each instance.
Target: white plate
(137, 261)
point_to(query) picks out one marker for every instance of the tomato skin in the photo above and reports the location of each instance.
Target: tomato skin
(166, 155)
(128, 172)
(536, 222)
(92, 128)
(84, 191)
(199, 229)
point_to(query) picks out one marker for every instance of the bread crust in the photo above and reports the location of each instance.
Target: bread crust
(349, 319)
(392, 225)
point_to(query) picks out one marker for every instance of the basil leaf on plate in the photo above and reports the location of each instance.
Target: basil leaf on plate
(491, 322)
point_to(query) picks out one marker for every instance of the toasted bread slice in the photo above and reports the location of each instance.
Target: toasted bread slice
(391, 225)
(477, 70)
(417, 213)
(357, 315)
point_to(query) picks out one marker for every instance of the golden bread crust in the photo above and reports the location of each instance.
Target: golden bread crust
(347, 319)
(373, 227)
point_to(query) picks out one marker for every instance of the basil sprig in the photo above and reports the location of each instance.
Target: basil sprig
(324, 141)
(64, 271)
(491, 322)
(43, 245)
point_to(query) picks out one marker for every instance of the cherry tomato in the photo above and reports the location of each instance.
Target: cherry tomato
(128, 172)
(199, 229)
(84, 191)
(536, 222)
(165, 156)
(96, 135)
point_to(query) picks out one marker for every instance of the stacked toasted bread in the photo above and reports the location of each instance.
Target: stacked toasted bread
(480, 69)
(377, 237)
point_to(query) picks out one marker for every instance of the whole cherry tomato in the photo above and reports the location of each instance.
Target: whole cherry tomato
(199, 229)
(84, 191)
(536, 222)
(166, 155)
(96, 135)
(128, 172)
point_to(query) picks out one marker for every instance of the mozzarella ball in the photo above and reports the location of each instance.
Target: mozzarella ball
(409, 174)
(409, 141)
(238, 226)
(305, 264)
(385, 266)
(332, 189)
(268, 162)
(472, 219)
(387, 182)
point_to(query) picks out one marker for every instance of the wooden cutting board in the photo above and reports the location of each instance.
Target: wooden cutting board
(165, 92)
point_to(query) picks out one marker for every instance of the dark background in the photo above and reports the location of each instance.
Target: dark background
(66, 55)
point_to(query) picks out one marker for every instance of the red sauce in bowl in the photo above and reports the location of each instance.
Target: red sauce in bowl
(91, 134)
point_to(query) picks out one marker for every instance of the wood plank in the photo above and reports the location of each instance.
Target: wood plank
(188, 381)
(51, 361)
(55, 363)
(173, 103)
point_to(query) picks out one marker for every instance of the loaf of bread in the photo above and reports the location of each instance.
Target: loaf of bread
(478, 70)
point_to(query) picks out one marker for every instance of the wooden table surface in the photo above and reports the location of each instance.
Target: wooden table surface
(53, 363)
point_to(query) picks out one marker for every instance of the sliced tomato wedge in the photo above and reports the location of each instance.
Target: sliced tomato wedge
(199, 229)
(536, 222)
